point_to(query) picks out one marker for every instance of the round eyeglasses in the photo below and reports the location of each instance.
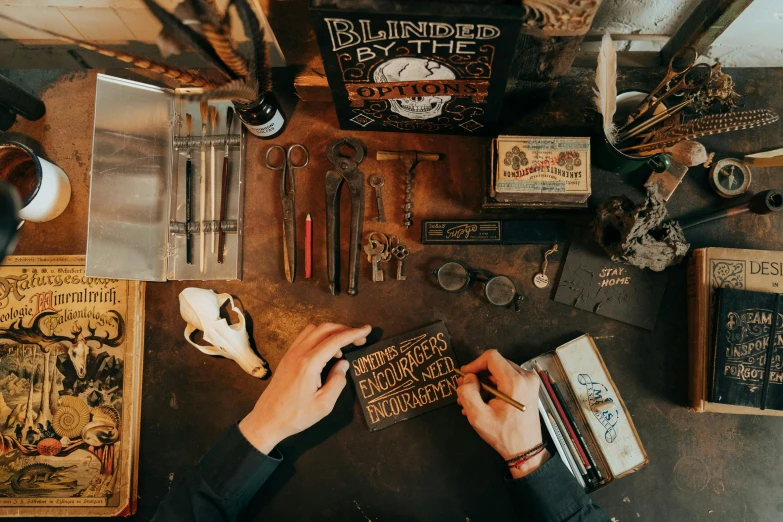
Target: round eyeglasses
(500, 290)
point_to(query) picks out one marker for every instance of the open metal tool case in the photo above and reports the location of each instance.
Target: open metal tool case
(137, 191)
(597, 409)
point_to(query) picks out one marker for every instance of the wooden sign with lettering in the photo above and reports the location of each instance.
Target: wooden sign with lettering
(435, 67)
(405, 376)
(593, 282)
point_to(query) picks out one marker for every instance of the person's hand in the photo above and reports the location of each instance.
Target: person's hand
(295, 398)
(502, 426)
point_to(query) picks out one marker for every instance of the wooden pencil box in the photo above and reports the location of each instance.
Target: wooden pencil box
(597, 408)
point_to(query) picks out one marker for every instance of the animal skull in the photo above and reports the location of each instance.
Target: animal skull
(408, 69)
(201, 310)
(78, 352)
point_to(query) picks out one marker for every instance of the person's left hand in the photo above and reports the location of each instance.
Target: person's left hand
(295, 398)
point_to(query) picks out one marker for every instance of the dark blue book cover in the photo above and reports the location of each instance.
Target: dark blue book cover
(749, 349)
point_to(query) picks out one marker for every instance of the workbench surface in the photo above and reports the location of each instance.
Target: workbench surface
(703, 467)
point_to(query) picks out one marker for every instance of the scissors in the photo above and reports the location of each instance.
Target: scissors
(680, 80)
(288, 199)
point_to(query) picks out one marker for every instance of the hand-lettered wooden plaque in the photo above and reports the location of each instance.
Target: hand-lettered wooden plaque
(405, 376)
(433, 67)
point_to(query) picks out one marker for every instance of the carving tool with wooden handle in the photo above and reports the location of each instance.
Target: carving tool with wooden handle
(188, 196)
(204, 107)
(224, 186)
(214, 121)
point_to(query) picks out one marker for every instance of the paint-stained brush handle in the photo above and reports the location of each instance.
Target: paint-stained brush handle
(188, 210)
(223, 204)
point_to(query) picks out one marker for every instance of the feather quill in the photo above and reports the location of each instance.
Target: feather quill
(184, 34)
(224, 47)
(183, 75)
(259, 69)
(236, 90)
(606, 81)
(216, 29)
(704, 126)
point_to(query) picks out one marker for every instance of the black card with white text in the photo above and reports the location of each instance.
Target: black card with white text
(405, 376)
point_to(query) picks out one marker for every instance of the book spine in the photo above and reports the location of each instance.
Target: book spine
(697, 328)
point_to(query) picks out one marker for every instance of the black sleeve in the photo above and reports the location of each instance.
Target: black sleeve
(222, 484)
(551, 494)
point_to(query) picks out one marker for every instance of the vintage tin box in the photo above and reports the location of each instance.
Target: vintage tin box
(540, 171)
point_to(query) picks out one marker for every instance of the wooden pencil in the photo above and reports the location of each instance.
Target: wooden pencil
(497, 393)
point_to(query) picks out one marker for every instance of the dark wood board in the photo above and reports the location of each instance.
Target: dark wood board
(405, 376)
(591, 281)
(703, 467)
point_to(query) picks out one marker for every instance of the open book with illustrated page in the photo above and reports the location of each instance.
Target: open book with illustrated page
(71, 352)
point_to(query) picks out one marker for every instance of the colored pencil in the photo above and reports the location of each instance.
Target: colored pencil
(563, 417)
(308, 247)
(575, 426)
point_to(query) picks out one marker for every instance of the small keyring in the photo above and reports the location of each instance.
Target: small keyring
(385, 241)
(291, 158)
(377, 181)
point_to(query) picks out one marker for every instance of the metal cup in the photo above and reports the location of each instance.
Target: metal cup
(608, 157)
(42, 186)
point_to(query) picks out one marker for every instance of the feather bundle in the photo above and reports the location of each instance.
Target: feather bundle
(606, 83)
(201, 26)
(176, 29)
(183, 75)
(704, 126)
(258, 62)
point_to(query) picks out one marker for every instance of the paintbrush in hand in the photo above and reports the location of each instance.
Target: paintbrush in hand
(188, 196)
(497, 393)
(204, 108)
(213, 118)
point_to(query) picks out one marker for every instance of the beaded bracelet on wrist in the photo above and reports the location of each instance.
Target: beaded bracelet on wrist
(518, 460)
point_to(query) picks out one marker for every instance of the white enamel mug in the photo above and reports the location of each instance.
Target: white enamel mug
(44, 188)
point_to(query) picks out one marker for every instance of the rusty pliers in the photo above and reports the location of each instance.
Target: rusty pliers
(347, 170)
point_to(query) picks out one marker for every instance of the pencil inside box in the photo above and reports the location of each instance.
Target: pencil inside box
(596, 407)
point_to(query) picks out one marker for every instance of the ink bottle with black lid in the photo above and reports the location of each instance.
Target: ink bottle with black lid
(263, 118)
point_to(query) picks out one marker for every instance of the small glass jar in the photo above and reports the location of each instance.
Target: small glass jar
(264, 118)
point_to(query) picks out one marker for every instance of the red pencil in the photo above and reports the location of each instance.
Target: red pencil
(308, 247)
(563, 417)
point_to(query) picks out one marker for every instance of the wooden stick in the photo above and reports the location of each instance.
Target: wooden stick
(497, 393)
(204, 107)
(213, 119)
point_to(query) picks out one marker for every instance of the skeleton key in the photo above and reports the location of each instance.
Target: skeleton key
(400, 252)
(374, 250)
(376, 182)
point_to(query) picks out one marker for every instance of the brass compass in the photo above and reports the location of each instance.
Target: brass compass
(730, 178)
